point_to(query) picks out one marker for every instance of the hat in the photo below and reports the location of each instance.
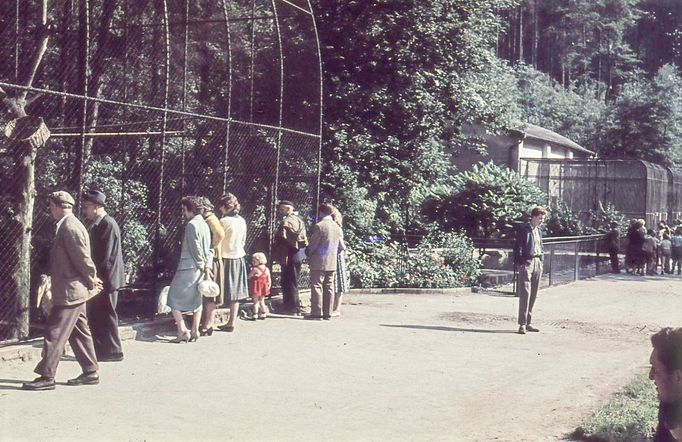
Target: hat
(62, 197)
(95, 196)
(286, 203)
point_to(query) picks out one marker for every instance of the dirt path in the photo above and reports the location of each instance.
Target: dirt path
(395, 367)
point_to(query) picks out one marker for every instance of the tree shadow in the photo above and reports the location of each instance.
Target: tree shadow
(449, 329)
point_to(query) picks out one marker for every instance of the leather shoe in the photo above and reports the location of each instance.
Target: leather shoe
(114, 357)
(312, 318)
(522, 330)
(38, 384)
(530, 328)
(326, 318)
(85, 379)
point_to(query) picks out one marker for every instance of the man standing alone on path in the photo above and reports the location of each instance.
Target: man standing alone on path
(528, 256)
(322, 256)
(74, 281)
(105, 243)
(290, 237)
(666, 372)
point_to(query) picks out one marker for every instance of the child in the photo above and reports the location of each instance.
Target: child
(649, 250)
(676, 252)
(666, 252)
(259, 284)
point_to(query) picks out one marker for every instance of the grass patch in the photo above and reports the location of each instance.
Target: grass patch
(630, 416)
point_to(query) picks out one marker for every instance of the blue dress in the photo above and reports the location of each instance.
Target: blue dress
(196, 254)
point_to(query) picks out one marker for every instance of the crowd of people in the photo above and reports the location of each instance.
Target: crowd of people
(86, 273)
(649, 251)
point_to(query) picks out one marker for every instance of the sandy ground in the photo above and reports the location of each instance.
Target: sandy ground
(394, 367)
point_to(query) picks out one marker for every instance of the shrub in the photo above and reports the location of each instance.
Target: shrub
(604, 216)
(562, 222)
(441, 260)
(486, 201)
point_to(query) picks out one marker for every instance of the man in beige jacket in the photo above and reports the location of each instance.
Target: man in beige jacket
(322, 253)
(74, 281)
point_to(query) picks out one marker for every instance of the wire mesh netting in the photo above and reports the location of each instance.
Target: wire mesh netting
(150, 101)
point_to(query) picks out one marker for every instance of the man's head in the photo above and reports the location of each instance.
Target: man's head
(285, 207)
(191, 206)
(325, 210)
(666, 364)
(93, 204)
(61, 204)
(537, 216)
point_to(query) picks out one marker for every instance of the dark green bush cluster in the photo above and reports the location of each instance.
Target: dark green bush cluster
(440, 260)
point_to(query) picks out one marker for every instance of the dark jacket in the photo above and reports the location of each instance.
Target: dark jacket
(524, 245)
(105, 241)
(667, 414)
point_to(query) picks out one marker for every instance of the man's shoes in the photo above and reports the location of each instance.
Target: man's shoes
(326, 318)
(113, 357)
(312, 318)
(522, 330)
(85, 379)
(530, 328)
(38, 384)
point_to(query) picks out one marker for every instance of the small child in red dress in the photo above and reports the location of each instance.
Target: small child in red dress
(259, 284)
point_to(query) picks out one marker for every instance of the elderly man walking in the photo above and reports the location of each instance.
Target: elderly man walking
(74, 281)
(322, 256)
(105, 246)
(528, 255)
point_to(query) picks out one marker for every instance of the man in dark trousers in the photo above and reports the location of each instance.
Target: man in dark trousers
(666, 372)
(528, 256)
(290, 238)
(322, 256)
(74, 281)
(105, 243)
(613, 238)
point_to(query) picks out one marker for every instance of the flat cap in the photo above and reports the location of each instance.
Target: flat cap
(62, 197)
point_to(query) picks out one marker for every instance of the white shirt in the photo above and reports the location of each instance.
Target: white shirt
(59, 223)
(232, 246)
(537, 247)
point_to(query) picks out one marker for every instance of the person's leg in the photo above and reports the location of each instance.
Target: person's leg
(523, 292)
(294, 287)
(535, 277)
(328, 294)
(316, 279)
(109, 339)
(81, 342)
(209, 314)
(286, 278)
(338, 300)
(196, 320)
(179, 322)
(263, 307)
(256, 305)
(60, 323)
(234, 311)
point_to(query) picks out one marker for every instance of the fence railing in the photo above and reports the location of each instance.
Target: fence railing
(566, 259)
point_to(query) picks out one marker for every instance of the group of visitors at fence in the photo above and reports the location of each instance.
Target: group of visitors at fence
(649, 250)
(86, 271)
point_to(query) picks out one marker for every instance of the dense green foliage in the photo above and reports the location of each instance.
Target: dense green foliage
(440, 260)
(485, 201)
(630, 416)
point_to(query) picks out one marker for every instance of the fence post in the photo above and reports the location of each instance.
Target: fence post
(551, 259)
(576, 272)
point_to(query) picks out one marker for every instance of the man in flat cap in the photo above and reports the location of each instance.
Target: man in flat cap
(105, 247)
(290, 238)
(74, 281)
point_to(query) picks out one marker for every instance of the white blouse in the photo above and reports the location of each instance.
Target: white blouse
(232, 246)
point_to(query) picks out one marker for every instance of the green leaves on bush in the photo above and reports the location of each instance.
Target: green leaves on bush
(484, 202)
(441, 260)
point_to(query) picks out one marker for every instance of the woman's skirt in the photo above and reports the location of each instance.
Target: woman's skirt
(341, 283)
(183, 294)
(236, 280)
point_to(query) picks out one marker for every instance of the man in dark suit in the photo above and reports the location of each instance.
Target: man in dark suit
(74, 281)
(666, 372)
(528, 256)
(105, 245)
(322, 254)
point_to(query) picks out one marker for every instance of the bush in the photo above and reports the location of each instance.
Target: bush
(562, 222)
(604, 216)
(631, 415)
(486, 202)
(441, 260)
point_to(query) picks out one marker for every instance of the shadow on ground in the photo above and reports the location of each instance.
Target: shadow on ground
(448, 329)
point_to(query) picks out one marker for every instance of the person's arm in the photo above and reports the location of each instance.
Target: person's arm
(313, 245)
(194, 246)
(217, 230)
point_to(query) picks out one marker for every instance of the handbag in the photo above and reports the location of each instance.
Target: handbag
(208, 288)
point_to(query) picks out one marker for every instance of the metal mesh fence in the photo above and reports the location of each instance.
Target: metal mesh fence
(152, 100)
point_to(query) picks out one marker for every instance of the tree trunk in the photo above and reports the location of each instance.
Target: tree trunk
(520, 34)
